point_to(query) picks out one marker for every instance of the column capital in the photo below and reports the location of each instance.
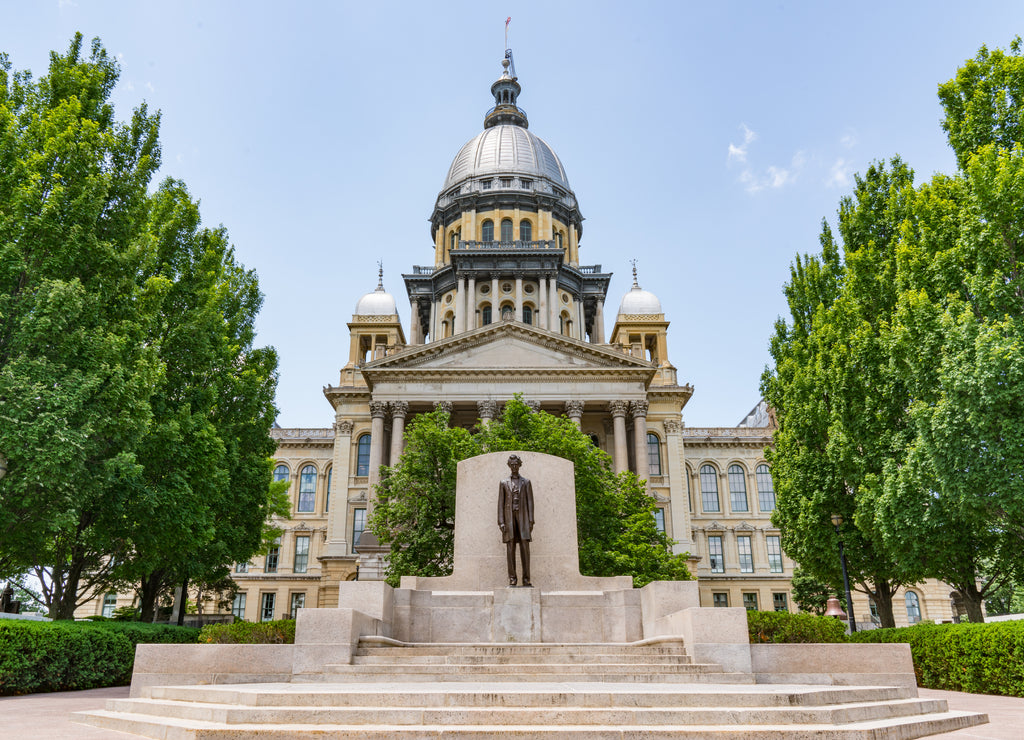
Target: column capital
(672, 426)
(487, 409)
(534, 405)
(639, 408)
(618, 408)
(378, 409)
(445, 406)
(574, 409)
(399, 408)
(344, 426)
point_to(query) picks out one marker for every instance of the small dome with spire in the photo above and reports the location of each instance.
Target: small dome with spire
(379, 302)
(639, 301)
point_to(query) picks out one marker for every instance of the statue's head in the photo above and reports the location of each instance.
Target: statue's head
(514, 463)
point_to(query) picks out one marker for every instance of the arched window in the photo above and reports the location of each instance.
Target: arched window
(307, 488)
(363, 455)
(559, 237)
(737, 488)
(709, 488)
(765, 489)
(506, 229)
(594, 440)
(327, 498)
(485, 315)
(487, 231)
(527, 315)
(452, 246)
(653, 454)
(913, 608)
(525, 230)
(280, 473)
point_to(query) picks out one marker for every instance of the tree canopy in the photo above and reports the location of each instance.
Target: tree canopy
(134, 409)
(415, 510)
(898, 381)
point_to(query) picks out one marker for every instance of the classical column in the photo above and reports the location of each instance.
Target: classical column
(487, 410)
(432, 329)
(554, 310)
(460, 306)
(445, 406)
(534, 406)
(679, 506)
(574, 410)
(471, 303)
(599, 322)
(519, 296)
(618, 411)
(337, 517)
(639, 410)
(414, 323)
(378, 409)
(542, 314)
(580, 320)
(495, 301)
(399, 409)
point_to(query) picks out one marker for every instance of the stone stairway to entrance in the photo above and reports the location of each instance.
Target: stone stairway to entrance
(523, 690)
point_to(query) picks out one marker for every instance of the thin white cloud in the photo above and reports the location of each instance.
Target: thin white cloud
(839, 174)
(774, 177)
(848, 140)
(738, 153)
(149, 86)
(66, 4)
(129, 86)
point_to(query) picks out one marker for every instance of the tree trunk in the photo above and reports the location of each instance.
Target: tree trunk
(184, 603)
(973, 599)
(149, 591)
(65, 591)
(883, 604)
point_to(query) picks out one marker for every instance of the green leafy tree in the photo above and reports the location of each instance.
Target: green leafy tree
(415, 510)
(841, 410)
(76, 373)
(202, 498)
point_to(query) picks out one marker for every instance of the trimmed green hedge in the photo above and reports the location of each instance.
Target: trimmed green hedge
(67, 656)
(279, 632)
(976, 658)
(786, 627)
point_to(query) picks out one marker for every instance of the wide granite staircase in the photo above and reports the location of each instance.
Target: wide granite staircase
(640, 690)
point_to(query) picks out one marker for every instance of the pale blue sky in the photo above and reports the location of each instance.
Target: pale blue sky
(705, 140)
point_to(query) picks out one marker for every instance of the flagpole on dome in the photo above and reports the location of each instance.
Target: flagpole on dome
(507, 21)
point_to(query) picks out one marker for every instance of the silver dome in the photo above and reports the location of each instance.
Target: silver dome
(377, 303)
(639, 301)
(506, 149)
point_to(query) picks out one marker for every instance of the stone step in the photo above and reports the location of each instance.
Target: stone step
(593, 672)
(229, 714)
(375, 657)
(482, 694)
(168, 728)
(524, 648)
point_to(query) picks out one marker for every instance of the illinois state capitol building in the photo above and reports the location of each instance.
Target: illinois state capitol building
(507, 307)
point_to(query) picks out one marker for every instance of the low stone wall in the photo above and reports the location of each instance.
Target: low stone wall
(187, 665)
(870, 664)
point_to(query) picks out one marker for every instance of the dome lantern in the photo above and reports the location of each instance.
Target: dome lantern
(639, 302)
(378, 302)
(505, 91)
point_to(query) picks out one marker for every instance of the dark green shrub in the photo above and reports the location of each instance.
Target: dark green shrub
(279, 632)
(976, 658)
(786, 627)
(65, 656)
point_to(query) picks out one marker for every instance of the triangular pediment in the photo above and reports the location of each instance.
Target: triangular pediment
(507, 345)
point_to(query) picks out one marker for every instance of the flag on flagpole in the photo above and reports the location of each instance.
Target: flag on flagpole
(507, 21)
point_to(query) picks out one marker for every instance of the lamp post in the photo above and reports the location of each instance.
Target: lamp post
(837, 520)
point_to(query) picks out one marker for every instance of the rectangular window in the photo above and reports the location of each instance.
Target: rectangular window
(780, 602)
(709, 488)
(267, 607)
(659, 519)
(241, 567)
(653, 454)
(720, 599)
(358, 524)
(737, 488)
(715, 554)
(273, 554)
(774, 553)
(238, 606)
(301, 554)
(327, 497)
(298, 601)
(746, 558)
(765, 489)
(750, 602)
(109, 604)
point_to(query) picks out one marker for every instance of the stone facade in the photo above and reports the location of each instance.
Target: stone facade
(508, 308)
